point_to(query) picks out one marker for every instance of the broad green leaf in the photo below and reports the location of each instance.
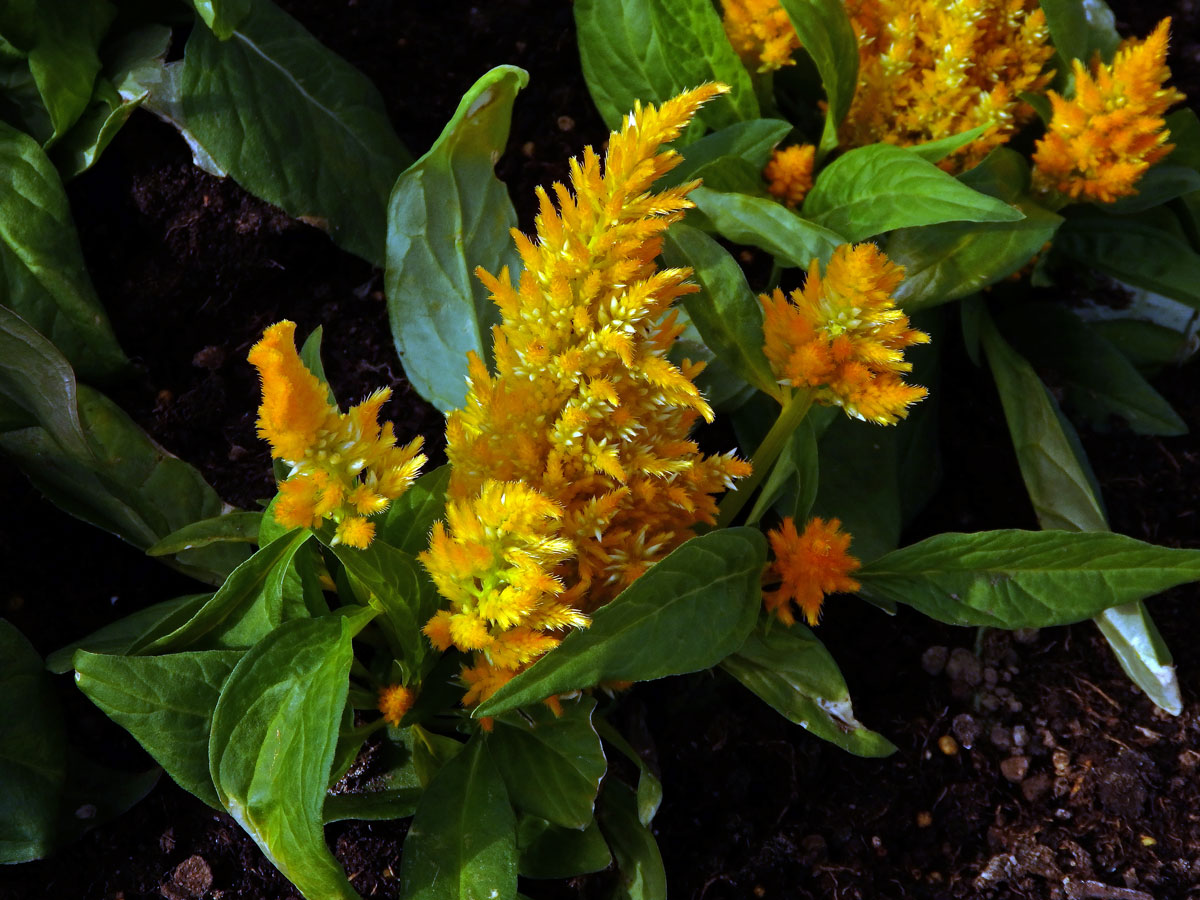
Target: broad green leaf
(828, 37)
(310, 355)
(859, 484)
(879, 188)
(1158, 185)
(1025, 579)
(724, 310)
(236, 527)
(1148, 345)
(131, 487)
(1142, 653)
(1068, 21)
(551, 765)
(790, 670)
(63, 58)
(222, 16)
(105, 115)
(272, 743)
(649, 788)
(409, 520)
(430, 752)
(1134, 251)
(551, 851)
(1099, 380)
(936, 151)
(750, 141)
(294, 124)
(236, 603)
(639, 862)
(1102, 35)
(43, 277)
(20, 103)
(165, 702)
(118, 637)
(1184, 126)
(32, 751)
(687, 612)
(462, 842)
(768, 225)
(721, 385)
(449, 213)
(372, 806)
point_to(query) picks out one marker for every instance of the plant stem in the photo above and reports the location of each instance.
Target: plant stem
(792, 414)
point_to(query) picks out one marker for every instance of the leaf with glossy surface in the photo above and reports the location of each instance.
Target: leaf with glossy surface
(273, 737)
(166, 703)
(687, 612)
(409, 520)
(750, 141)
(64, 59)
(936, 151)
(105, 115)
(768, 225)
(879, 188)
(828, 37)
(462, 842)
(642, 876)
(45, 280)
(236, 527)
(222, 16)
(1025, 579)
(449, 213)
(1067, 22)
(790, 670)
(1142, 653)
(372, 806)
(246, 99)
(551, 765)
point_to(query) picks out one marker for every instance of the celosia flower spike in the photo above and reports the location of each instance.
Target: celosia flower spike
(394, 701)
(789, 173)
(808, 566)
(1100, 142)
(572, 471)
(843, 337)
(344, 466)
(761, 33)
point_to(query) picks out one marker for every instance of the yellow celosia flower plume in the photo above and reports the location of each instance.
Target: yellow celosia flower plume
(761, 33)
(789, 173)
(1100, 142)
(843, 337)
(808, 566)
(572, 468)
(345, 466)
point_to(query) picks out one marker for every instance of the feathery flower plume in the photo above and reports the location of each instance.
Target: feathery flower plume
(572, 468)
(394, 701)
(789, 173)
(1101, 141)
(843, 336)
(761, 33)
(808, 566)
(345, 466)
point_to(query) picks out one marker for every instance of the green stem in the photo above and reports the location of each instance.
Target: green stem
(792, 414)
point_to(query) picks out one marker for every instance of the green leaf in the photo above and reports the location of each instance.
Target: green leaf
(449, 213)
(551, 851)
(409, 520)
(1142, 653)
(879, 188)
(751, 142)
(104, 117)
(1158, 185)
(639, 863)
(1184, 126)
(165, 702)
(63, 58)
(1148, 345)
(790, 670)
(1099, 380)
(462, 842)
(860, 483)
(43, 277)
(236, 527)
(551, 765)
(222, 16)
(273, 737)
(1067, 21)
(1102, 35)
(117, 637)
(372, 806)
(936, 151)
(246, 606)
(1025, 579)
(649, 788)
(768, 225)
(792, 485)
(828, 37)
(294, 124)
(687, 612)
(32, 751)
(724, 310)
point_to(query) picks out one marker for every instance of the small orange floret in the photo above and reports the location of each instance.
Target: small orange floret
(394, 701)
(809, 566)
(761, 33)
(1101, 141)
(790, 173)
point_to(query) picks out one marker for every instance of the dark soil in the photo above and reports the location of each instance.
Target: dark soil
(1027, 766)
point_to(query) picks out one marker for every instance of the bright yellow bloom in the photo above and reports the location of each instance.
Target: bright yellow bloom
(809, 566)
(790, 173)
(761, 33)
(394, 701)
(1100, 142)
(572, 467)
(843, 336)
(345, 466)
(930, 69)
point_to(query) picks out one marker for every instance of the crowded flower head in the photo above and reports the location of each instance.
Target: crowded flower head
(572, 468)
(344, 466)
(789, 173)
(842, 336)
(808, 565)
(1101, 141)
(761, 33)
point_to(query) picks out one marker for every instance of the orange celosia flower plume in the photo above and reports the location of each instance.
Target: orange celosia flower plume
(843, 337)
(789, 173)
(808, 566)
(1101, 141)
(572, 467)
(345, 466)
(761, 33)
